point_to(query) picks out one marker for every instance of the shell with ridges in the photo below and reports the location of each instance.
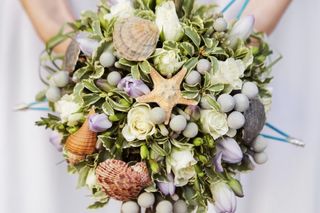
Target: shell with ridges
(121, 181)
(81, 143)
(71, 57)
(135, 39)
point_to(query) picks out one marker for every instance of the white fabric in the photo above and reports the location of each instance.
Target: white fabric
(30, 182)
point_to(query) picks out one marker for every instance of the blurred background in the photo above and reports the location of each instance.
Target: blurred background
(31, 182)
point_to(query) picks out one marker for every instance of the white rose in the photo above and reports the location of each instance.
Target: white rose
(139, 124)
(168, 22)
(68, 110)
(213, 122)
(181, 162)
(121, 9)
(229, 72)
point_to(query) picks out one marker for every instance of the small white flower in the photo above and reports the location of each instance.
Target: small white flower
(68, 110)
(91, 180)
(181, 162)
(139, 124)
(120, 9)
(213, 122)
(229, 72)
(168, 22)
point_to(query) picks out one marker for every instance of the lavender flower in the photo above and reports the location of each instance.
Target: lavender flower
(86, 44)
(55, 139)
(134, 88)
(225, 199)
(242, 29)
(99, 123)
(167, 187)
(229, 151)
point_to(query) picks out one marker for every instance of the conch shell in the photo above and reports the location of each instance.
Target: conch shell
(135, 39)
(121, 181)
(81, 143)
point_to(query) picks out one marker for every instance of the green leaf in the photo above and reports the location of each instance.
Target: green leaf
(97, 205)
(189, 94)
(117, 106)
(41, 96)
(83, 174)
(193, 35)
(79, 73)
(187, 48)
(107, 108)
(135, 72)
(191, 63)
(214, 64)
(126, 63)
(90, 99)
(216, 88)
(90, 85)
(98, 71)
(145, 67)
(187, 7)
(157, 149)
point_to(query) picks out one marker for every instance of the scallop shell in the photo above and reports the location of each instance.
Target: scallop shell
(121, 181)
(81, 143)
(71, 57)
(135, 39)
(255, 119)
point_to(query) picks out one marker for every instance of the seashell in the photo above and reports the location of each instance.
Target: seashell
(81, 143)
(71, 57)
(121, 181)
(255, 119)
(135, 39)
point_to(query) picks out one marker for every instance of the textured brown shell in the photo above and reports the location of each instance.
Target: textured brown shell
(135, 39)
(71, 57)
(81, 143)
(121, 181)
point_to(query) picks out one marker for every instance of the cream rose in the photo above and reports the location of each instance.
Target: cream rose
(214, 123)
(181, 162)
(139, 124)
(229, 72)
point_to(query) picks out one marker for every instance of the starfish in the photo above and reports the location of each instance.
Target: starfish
(166, 92)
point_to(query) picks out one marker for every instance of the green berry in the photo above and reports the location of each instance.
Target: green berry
(236, 120)
(260, 158)
(114, 78)
(198, 141)
(203, 66)
(250, 89)
(53, 94)
(164, 207)
(144, 152)
(61, 79)
(242, 102)
(178, 123)
(107, 59)
(180, 207)
(157, 115)
(146, 200)
(226, 102)
(130, 207)
(193, 78)
(191, 130)
(220, 25)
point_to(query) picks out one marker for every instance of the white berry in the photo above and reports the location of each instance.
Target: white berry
(250, 89)
(180, 207)
(157, 115)
(53, 94)
(107, 59)
(164, 207)
(193, 77)
(236, 120)
(260, 158)
(130, 207)
(114, 78)
(226, 102)
(203, 66)
(231, 133)
(259, 144)
(191, 130)
(220, 25)
(61, 79)
(146, 200)
(242, 102)
(204, 103)
(178, 123)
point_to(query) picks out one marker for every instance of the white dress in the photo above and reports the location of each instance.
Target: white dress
(30, 182)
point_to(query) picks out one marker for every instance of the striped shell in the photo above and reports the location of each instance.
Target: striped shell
(135, 39)
(81, 143)
(121, 181)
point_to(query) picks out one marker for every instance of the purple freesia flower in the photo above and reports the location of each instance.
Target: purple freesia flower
(229, 151)
(167, 187)
(133, 87)
(224, 199)
(86, 44)
(55, 139)
(242, 29)
(99, 123)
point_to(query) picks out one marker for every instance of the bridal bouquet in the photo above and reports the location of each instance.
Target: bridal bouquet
(159, 104)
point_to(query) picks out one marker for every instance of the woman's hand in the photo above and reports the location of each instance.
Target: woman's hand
(47, 17)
